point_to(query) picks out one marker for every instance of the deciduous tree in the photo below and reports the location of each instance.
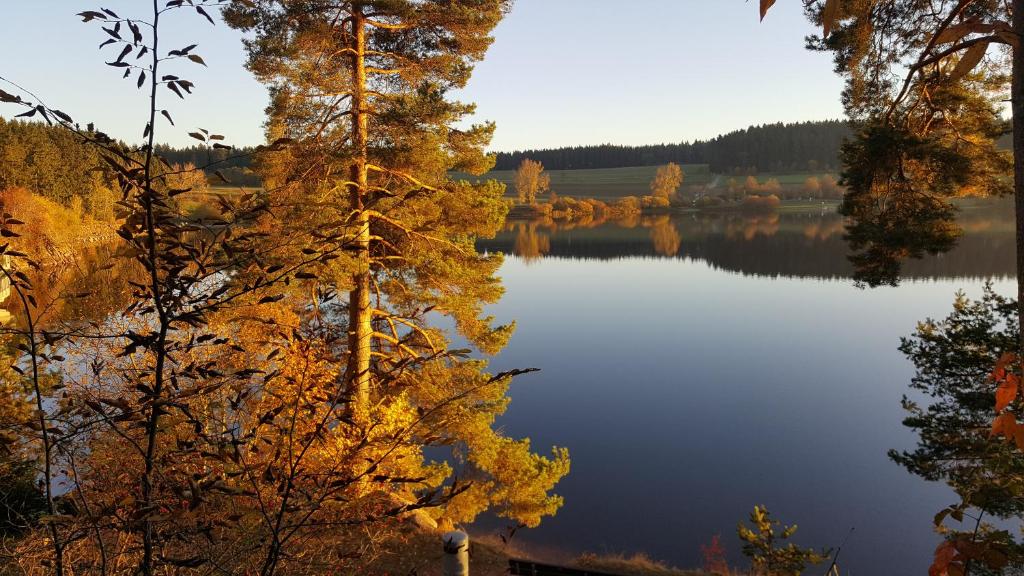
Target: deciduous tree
(667, 180)
(530, 181)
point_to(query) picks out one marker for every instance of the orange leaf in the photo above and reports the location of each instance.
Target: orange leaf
(1018, 437)
(765, 5)
(1006, 392)
(944, 555)
(999, 372)
(1004, 424)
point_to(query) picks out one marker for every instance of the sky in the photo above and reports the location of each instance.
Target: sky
(560, 72)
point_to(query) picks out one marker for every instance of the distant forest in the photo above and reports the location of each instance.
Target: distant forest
(234, 165)
(804, 146)
(53, 163)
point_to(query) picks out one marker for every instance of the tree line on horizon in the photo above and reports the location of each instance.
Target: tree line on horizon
(804, 146)
(812, 146)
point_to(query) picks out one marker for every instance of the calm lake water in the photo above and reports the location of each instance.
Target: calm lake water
(700, 365)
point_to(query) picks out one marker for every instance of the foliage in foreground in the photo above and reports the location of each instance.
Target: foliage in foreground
(952, 411)
(764, 542)
(261, 394)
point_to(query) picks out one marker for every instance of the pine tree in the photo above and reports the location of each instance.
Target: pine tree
(367, 139)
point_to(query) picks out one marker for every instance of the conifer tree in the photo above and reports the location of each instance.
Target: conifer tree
(360, 106)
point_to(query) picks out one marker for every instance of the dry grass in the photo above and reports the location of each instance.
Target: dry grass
(420, 554)
(634, 565)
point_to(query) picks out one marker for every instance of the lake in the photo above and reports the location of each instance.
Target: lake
(699, 365)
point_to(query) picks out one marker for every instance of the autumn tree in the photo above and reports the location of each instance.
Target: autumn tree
(531, 180)
(187, 177)
(667, 180)
(812, 186)
(360, 97)
(150, 423)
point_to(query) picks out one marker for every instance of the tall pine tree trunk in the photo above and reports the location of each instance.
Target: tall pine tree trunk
(360, 328)
(1017, 107)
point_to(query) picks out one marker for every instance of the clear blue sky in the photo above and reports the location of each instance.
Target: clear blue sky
(561, 72)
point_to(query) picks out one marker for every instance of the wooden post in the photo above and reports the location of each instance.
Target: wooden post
(456, 554)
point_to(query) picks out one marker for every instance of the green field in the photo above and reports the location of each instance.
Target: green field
(607, 183)
(601, 182)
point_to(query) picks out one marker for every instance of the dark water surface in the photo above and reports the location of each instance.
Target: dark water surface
(693, 374)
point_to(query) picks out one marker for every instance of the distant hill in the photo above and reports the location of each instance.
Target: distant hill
(805, 146)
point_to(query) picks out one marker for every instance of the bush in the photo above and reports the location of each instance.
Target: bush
(761, 203)
(46, 223)
(657, 202)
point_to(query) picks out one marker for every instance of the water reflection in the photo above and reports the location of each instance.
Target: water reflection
(698, 365)
(800, 245)
(5, 292)
(88, 290)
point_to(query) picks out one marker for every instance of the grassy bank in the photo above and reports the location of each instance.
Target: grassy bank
(421, 553)
(612, 183)
(603, 182)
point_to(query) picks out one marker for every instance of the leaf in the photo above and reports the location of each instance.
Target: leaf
(61, 115)
(999, 371)
(830, 16)
(1005, 424)
(1018, 437)
(765, 6)
(1006, 392)
(207, 16)
(5, 97)
(142, 79)
(174, 88)
(197, 136)
(91, 15)
(183, 51)
(197, 59)
(168, 116)
(971, 58)
(124, 52)
(944, 556)
(136, 33)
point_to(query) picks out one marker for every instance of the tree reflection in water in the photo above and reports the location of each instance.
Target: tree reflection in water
(803, 245)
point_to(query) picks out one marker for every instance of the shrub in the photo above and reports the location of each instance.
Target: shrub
(654, 202)
(761, 203)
